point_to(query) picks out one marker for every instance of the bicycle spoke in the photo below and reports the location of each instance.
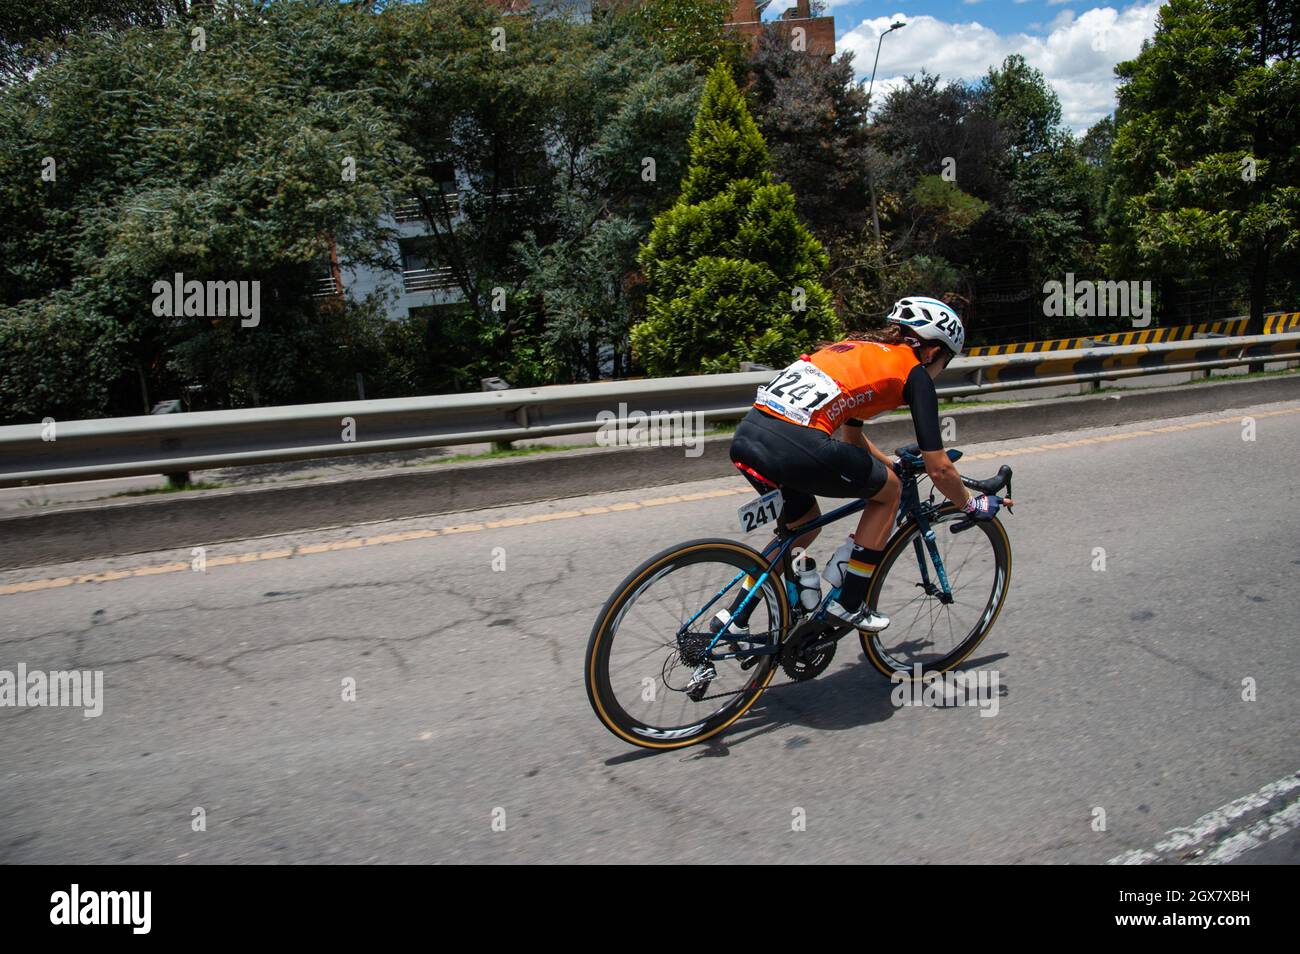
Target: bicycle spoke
(645, 669)
(919, 617)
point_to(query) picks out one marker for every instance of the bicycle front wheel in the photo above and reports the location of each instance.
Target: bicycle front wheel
(639, 670)
(927, 634)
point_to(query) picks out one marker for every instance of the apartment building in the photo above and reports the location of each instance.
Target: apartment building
(816, 34)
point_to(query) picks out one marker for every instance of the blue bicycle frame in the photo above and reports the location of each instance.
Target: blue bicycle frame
(777, 554)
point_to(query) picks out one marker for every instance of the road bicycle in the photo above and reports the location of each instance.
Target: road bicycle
(664, 669)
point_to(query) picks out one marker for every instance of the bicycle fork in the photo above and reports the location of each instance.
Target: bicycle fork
(942, 590)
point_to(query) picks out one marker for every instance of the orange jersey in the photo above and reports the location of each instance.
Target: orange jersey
(857, 379)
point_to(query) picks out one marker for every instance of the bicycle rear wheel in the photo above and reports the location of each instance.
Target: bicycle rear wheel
(638, 670)
(924, 631)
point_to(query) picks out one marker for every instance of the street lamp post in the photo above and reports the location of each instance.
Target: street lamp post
(871, 180)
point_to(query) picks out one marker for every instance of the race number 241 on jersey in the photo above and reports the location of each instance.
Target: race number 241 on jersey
(798, 392)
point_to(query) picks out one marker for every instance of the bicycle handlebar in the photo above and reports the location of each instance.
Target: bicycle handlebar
(909, 464)
(991, 485)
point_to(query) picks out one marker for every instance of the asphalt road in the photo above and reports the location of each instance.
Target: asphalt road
(223, 689)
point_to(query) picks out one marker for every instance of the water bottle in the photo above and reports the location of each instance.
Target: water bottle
(834, 572)
(810, 585)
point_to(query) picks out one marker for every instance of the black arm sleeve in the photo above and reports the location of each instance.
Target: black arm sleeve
(919, 393)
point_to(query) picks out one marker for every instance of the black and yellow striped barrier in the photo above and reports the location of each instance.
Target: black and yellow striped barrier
(1110, 359)
(1273, 325)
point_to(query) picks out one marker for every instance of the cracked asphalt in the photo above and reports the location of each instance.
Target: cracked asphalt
(224, 690)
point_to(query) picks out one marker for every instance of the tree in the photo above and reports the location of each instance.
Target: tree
(936, 154)
(1044, 205)
(813, 118)
(32, 33)
(226, 163)
(622, 148)
(1094, 151)
(1207, 147)
(983, 195)
(475, 98)
(546, 137)
(689, 31)
(58, 359)
(732, 273)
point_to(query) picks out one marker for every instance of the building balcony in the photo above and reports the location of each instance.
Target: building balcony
(416, 280)
(412, 211)
(326, 287)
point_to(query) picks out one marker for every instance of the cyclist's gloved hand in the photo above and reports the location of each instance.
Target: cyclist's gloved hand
(983, 506)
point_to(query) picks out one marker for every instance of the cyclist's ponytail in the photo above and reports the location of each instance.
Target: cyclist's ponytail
(888, 335)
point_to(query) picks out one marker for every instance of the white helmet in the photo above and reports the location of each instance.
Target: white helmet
(932, 320)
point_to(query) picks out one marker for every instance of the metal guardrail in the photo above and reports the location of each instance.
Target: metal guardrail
(172, 443)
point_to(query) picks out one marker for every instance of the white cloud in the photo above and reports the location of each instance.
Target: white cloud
(1076, 54)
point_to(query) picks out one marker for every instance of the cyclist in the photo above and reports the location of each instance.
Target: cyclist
(787, 439)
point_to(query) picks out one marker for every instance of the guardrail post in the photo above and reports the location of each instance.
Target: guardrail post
(1205, 375)
(1093, 386)
(180, 479)
(521, 415)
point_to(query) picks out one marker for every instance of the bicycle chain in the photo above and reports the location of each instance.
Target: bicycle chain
(736, 692)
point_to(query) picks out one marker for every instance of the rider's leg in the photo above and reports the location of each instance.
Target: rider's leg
(806, 540)
(811, 512)
(873, 530)
(878, 517)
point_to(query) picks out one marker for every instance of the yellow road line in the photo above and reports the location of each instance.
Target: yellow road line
(407, 535)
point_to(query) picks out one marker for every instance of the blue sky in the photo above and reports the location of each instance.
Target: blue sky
(1075, 44)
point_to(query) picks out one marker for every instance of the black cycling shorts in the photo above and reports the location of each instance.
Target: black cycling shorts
(804, 462)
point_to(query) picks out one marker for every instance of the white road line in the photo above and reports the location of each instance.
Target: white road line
(1274, 826)
(1181, 840)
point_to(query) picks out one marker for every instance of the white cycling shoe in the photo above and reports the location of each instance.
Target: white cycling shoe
(862, 618)
(721, 619)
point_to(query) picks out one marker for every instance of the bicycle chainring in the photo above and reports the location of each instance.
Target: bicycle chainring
(799, 659)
